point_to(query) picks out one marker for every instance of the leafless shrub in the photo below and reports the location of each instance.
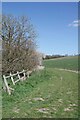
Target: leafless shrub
(18, 44)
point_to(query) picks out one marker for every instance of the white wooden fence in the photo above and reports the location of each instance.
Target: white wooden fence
(11, 77)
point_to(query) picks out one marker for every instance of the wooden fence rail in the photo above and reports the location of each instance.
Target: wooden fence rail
(11, 77)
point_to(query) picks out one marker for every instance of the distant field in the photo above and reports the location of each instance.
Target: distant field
(65, 63)
(49, 93)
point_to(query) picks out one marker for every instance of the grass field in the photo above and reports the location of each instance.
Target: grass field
(49, 93)
(65, 63)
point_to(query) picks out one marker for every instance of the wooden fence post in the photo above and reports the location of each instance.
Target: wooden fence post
(18, 75)
(24, 73)
(12, 79)
(8, 88)
(6, 84)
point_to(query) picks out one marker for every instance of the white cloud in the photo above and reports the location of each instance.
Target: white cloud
(75, 23)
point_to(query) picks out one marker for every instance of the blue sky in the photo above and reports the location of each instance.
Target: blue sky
(56, 24)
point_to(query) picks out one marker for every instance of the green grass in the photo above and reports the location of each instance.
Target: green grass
(58, 89)
(65, 63)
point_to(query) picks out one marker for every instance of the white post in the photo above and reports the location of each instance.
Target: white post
(18, 75)
(24, 73)
(6, 84)
(12, 79)
(27, 75)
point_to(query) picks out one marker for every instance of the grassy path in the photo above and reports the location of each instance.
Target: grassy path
(50, 93)
(67, 70)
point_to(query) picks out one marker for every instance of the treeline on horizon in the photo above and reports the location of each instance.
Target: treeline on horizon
(58, 56)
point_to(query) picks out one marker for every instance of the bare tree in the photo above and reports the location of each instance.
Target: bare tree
(18, 44)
